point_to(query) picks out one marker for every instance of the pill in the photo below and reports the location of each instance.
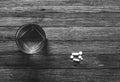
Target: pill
(75, 54)
(80, 52)
(71, 56)
(75, 59)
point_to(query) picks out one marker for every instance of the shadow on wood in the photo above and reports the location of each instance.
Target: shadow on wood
(30, 64)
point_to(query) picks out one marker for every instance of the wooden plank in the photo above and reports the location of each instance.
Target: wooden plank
(71, 33)
(60, 2)
(57, 55)
(64, 20)
(59, 75)
(58, 9)
(59, 6)
(17, 8)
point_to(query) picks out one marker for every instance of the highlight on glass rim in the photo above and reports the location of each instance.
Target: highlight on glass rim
(30, 38)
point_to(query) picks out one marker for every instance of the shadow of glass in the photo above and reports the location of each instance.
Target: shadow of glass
(25, 67)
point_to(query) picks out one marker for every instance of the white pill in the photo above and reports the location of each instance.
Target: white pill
(71, 56)
(75, 54)
(80, 57)
(80, 52)
(75, 59)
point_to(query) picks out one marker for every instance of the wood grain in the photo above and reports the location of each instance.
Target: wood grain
(66, 9)
(25, 7)
(61, 2)
(97, 2)
(91, 26)
(57, 55)
(71, 33)
(63, 19)
(59, 75)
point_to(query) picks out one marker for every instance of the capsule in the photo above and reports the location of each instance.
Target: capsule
(30, 38)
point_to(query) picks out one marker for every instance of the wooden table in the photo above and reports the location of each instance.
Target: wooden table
(91, 26)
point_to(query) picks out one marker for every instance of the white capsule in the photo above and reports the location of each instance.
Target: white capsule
(75, 54)
(71, 56)
(80, 52)
(75, 59)
(80, 57)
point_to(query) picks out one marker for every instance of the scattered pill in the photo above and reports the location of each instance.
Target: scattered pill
(80, 52)
(80, 57)
(76, 60)
(75, 54)
(71, 56)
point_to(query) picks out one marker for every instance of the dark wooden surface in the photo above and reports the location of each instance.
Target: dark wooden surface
(91, 26)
